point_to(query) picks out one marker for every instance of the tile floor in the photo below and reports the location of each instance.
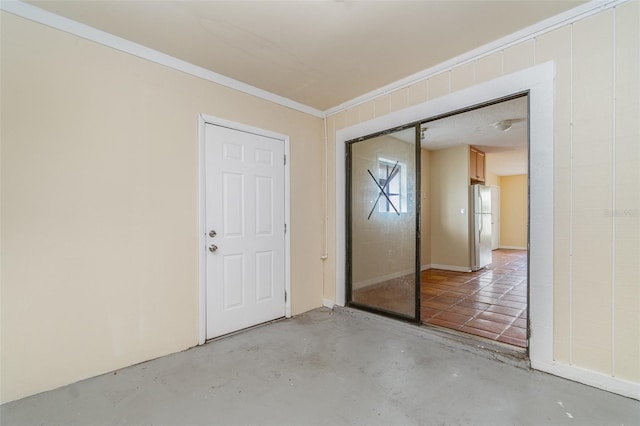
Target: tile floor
(491, 303)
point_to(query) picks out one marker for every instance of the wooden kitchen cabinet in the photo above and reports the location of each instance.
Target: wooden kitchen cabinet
(476, 165)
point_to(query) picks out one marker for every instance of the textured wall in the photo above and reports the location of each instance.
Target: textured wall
(596, 175)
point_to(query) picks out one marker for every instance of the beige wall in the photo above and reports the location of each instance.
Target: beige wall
(596, 198)
(449, 207)
(490, 178)
(100, 205)
(425, 208)
(513, 211)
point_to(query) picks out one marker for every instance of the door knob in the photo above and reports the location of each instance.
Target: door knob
(213, 248)
(212, 234)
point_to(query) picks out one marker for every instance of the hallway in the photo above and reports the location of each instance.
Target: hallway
(490, 303)
(326, 367)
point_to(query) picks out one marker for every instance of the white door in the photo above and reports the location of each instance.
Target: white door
(495, 217)
(245, 211)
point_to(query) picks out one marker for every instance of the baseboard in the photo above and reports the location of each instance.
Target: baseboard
(328, 303)
(449, 267)
(378, 280)
(511, 248)
(425, 267)
(591, 378)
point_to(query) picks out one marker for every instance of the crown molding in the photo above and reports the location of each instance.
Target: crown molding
(570, 16)
(52, 20)
(44, 17)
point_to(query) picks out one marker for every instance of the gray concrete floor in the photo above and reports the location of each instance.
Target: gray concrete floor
(326, 368)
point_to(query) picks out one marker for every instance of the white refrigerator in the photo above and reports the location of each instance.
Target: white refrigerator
(480, 241)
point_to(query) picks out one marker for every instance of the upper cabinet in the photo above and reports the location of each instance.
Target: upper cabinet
(476, 165)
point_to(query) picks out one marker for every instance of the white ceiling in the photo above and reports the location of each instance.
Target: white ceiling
(318, 53)
(478, 128)
(507, 152)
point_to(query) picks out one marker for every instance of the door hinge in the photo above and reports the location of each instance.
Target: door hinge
(285, 296)
(285, 228)
(285, 159)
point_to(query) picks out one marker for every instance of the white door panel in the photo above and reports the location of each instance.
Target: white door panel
(245, 208)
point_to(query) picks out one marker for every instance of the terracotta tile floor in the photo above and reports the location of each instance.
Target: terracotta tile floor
(491, 303)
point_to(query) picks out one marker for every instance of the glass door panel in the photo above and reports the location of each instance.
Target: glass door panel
(382, 223)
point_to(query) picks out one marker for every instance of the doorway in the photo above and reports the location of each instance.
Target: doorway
(383, 223)
(244, 240)
(538, 82)
(489, 303)
(470, 281)
(486, 293)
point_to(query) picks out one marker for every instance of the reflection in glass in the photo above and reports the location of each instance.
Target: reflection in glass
(383, 222)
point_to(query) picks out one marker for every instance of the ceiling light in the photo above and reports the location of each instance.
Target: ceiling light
(503, 125)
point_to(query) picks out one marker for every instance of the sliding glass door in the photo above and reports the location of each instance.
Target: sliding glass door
(383, 230)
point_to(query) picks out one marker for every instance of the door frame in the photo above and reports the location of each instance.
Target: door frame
(537, 81)
(203, 120)
(349, 231)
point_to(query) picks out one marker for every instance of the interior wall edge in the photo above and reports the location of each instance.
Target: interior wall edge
(328, 303)
(590, 377)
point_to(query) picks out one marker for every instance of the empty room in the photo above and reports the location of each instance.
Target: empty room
(325, 212)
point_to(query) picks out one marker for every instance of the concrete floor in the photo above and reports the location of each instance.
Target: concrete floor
(326, 368)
